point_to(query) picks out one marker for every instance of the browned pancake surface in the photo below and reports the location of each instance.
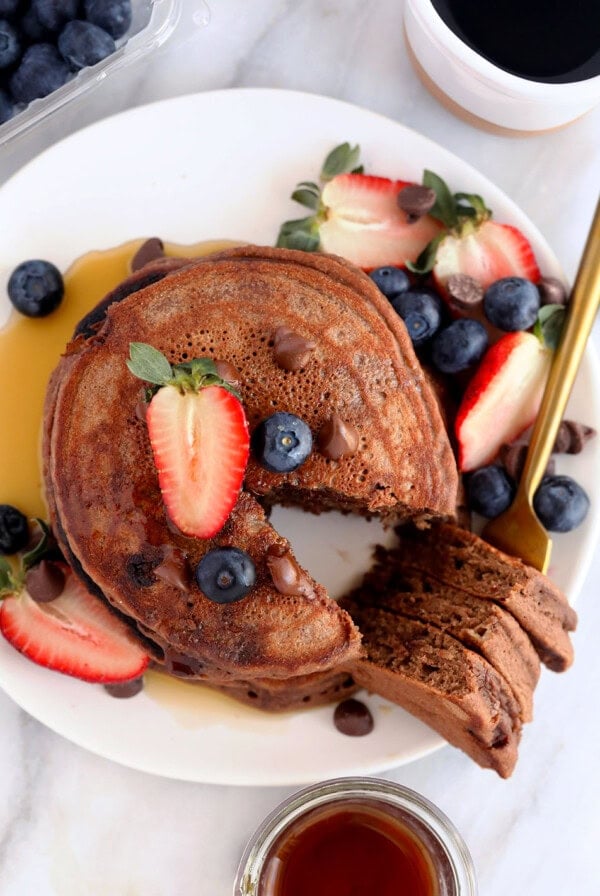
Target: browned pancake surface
(103, 484)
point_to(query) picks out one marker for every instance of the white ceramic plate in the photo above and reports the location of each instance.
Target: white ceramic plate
(222, 165)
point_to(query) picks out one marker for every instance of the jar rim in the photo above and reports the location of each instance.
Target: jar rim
(339, 789)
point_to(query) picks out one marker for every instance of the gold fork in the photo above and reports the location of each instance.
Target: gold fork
(518, 531)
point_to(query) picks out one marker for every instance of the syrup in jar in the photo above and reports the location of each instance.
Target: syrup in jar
(356, 837)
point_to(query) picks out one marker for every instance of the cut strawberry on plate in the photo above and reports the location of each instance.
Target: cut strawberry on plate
(364, 224)
(487, 253)
(472, 244)
(75, 634)
(357, 216)
(199, 437)
(502, 399)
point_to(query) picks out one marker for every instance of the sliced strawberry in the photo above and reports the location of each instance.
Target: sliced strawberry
(487, 253)
(75, 634)
(364, 224)
(200, 443)
(502, 399)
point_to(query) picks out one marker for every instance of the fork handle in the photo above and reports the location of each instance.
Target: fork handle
(583, 306)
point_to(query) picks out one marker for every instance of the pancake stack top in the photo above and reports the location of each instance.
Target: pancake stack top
(102, 486)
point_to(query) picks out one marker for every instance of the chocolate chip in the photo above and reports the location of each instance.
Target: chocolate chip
(416, 201)
(124, 689)
(465, 292)
(291, 350)
(45, 582)
(337, 438)
(228, 372)
(572, 437)
(287, 576)
(353, 718)
(513, 458)
(552, 291)
(148, 251)
(174, 569)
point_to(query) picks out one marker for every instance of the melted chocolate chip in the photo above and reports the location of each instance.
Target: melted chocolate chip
(228, 372)
(125, 689)
(337, 438)
(353, 718)
(141, 410)
(416, 200)
(291, 350)
(552, 291)
(287, 576)
(148, 251)
(465, 292)
(45, 582)
(174, 569)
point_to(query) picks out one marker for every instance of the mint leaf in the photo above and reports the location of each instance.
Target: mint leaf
(426, 260)
(549, 324)
(147, 363)
(341, 160)
(444, 209)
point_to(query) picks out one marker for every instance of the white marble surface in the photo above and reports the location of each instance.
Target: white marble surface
(72, 823)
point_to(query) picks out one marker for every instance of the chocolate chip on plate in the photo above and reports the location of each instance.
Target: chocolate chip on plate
(353, 718)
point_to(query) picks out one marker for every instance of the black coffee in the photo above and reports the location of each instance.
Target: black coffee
(556, 41)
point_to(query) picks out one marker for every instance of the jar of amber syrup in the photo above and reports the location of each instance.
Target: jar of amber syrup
(356, 837)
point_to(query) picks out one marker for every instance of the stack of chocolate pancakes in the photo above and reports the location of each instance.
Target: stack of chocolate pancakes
(311, 335)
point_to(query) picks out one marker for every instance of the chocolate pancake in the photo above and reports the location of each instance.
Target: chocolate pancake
(102, 486)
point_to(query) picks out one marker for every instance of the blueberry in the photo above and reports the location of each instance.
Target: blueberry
(10, 45)
(42, 70)
(512, 303)
(560, 503)
(36, 288)
(421, 311)
(14, 530)
(33, 29)
(225, 575)
(9, 7)
(82, 44)
(54, 14)
(390, 280)
(112, 15)
(7, 109)
(490, 491)
(282, 443)
(459, 346)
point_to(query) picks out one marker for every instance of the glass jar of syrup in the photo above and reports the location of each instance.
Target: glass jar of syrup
(356, 837)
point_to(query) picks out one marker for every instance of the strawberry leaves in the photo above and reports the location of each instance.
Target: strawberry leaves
(344, 159)
(460, 213)
(150, 365)
(12, 580)
(303, 233)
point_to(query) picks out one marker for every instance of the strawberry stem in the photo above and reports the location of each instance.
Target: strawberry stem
(150, 365)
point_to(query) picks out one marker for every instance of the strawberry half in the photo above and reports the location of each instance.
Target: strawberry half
(199, 437)
(471, 243)
(502, 399)
(488, 253)
(363, 223)
(75, 634)
(357, 216)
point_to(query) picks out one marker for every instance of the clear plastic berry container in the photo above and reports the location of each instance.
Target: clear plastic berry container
(153, 21)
